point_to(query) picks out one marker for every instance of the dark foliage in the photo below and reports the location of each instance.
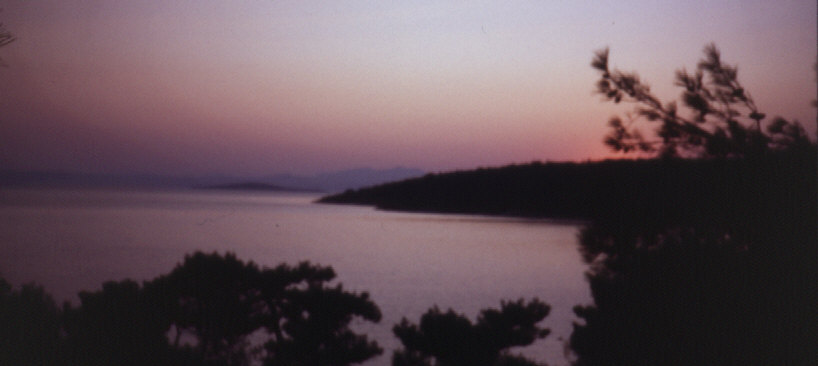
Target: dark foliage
(118, 325)
(295, 317)
(723, 120)
(210, 310)
(719, 277)
(710, 289)
(213, 299)
(309, 321)
(451, 339)
(29, 326)
(696, 299)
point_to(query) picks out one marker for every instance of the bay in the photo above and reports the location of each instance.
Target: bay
(73, 240)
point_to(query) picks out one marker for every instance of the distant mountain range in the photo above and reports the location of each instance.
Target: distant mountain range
(324, 182)
(251, 186)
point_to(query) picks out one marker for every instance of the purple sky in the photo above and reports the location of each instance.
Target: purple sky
(273, 86)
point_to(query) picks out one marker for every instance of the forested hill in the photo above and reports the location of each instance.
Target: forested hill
(658, 189)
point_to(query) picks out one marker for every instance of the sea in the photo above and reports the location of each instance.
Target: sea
(71, 240)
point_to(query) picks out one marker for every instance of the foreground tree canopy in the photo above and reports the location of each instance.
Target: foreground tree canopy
(215, 309)
(674, 284)
(211, 309)
(451, 339)
(29, 326)
(722, 118)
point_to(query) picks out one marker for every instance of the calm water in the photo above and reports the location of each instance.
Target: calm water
(72, 240)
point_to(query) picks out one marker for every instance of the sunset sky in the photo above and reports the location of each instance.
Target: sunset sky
(277, 86)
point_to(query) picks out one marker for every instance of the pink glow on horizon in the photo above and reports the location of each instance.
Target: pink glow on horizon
(300, 87)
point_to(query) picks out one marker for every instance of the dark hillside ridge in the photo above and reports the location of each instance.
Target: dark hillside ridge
(679, 190)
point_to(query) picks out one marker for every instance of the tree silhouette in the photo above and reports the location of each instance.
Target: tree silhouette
(29, 326)
(213, 299)
(726, 275)
(451, 339)
(118, 325)
(293, 316)
(308, 321)
(689, 300)
(211, 309)
(723, 119)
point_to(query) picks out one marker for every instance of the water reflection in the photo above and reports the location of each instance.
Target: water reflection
(72, 240)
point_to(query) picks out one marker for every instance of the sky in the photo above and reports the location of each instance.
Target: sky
(255, 87)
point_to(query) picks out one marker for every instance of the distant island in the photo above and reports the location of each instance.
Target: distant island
(255, 186)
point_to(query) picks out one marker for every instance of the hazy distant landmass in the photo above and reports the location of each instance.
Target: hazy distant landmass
(255, 186)
(322, 182)
(345, 179)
